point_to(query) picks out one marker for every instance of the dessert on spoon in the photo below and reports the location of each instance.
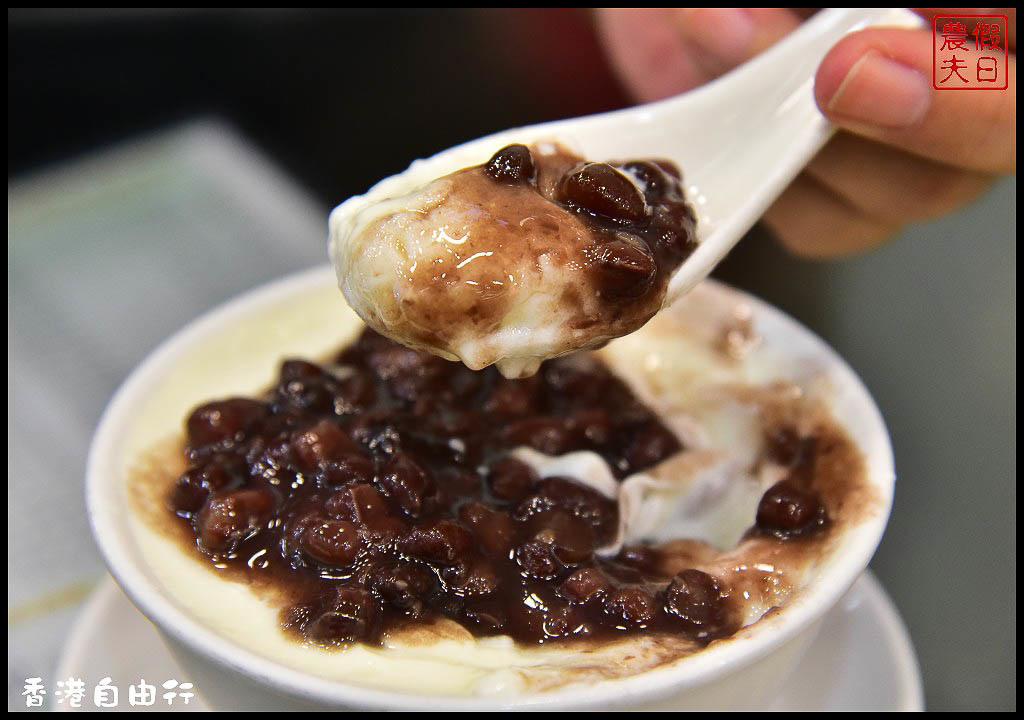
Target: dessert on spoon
(533, 254)
(518, 247)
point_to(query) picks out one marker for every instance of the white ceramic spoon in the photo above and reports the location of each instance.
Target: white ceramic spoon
(739, 140)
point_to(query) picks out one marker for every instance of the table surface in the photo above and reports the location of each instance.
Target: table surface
(109, 255)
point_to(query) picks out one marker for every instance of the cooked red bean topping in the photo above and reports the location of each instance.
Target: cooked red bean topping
(642, 226)
(404, 586)
(563, 621)
(380, 492)
(352, 614)
(407, 483)
(511, 165)
(641, 557)
(486, 618)
(599, 189)
(697, 600)
(626, 268)
(630, 606)
(222, 424)
(333, 542)
(494, 530)
(194, 486)
(788, 510)
(227, 518)
(359, 503)
(510, 479)
(584, 585)
(537, 560)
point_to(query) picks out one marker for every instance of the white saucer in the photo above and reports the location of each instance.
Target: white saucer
(861, 660)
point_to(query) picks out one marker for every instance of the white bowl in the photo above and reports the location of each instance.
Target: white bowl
(237, 349)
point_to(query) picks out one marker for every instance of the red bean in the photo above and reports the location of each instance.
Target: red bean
(353, 615)
(697, 601)
(510, 479)
(630, 606)
(584, 585)
(333, 542)
(442, 543)
(224, 421)
(601, 189)
(494, 530)
(408, 484)
(787, 510)
(537, 560)
(512, 165)
(403, 586)
(624, 269)
(230, 516)
(321, 444)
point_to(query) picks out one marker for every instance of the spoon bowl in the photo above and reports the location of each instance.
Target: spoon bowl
(740, 139)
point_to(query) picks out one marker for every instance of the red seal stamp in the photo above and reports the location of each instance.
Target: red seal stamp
(970, 52)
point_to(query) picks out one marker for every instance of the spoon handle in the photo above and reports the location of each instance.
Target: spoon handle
(743, 162)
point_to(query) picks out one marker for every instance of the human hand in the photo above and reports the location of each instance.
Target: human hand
(905, 152)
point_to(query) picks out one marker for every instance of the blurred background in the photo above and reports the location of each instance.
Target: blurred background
(160, 162)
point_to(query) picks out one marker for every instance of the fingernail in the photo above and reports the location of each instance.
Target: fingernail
(882, 92)
(726, 33)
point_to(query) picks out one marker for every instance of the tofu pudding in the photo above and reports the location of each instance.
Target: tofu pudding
(383, 517)
(532, 255)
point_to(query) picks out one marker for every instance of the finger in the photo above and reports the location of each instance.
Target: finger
(722, 38)
(646, 53)
(889, 185)
(660, 52)
(812, 220)
(1010, 13)
(877, 83)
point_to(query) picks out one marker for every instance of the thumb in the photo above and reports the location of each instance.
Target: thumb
(877, 83)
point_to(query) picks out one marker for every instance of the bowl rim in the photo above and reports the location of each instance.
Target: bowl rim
(711, 664)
